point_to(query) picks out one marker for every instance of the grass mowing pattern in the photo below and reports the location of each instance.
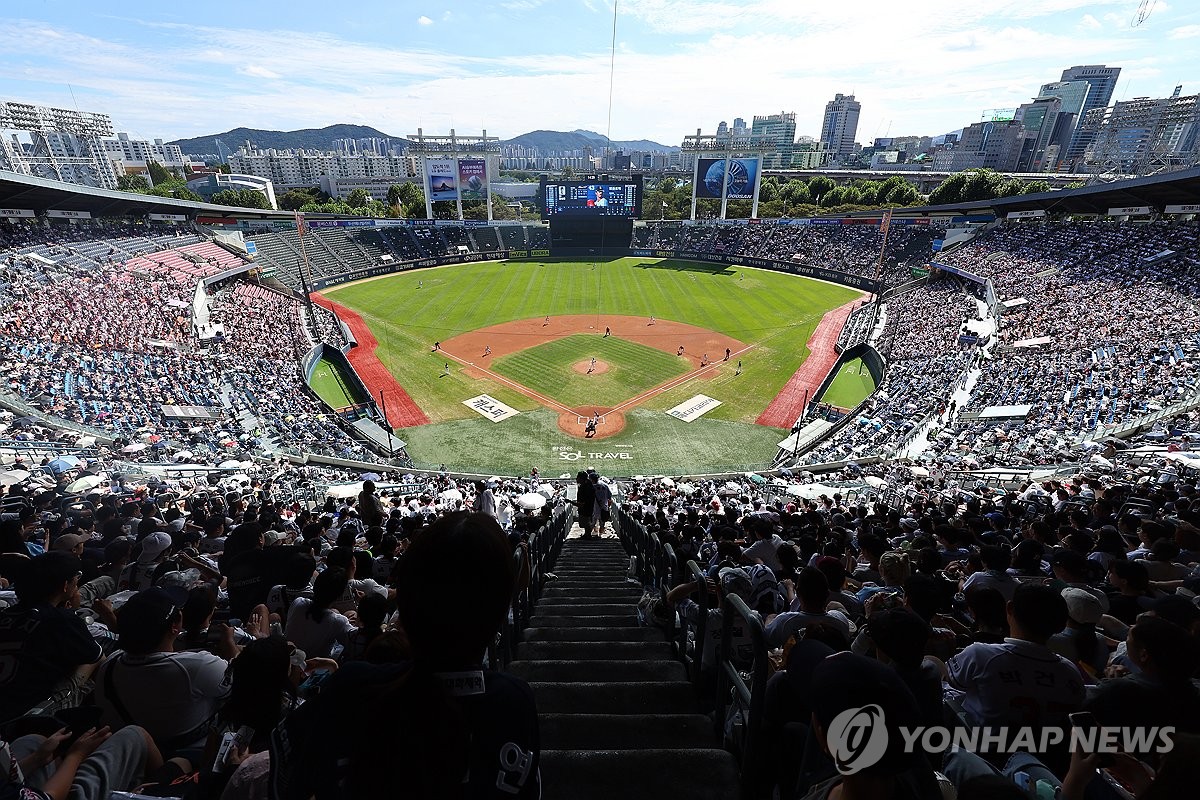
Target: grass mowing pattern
(775, 312)
(332, 386)
(632, 368)
(652, 443)
(850, 388)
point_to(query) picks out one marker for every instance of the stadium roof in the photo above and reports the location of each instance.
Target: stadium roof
(1157, 191)
(40, 194)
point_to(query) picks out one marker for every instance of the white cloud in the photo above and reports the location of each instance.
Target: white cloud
(1090, 22)
(680, 65)
(424, 20)
(257, 71)
(1185, 32)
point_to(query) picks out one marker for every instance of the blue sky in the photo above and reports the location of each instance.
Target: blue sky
(171, 70)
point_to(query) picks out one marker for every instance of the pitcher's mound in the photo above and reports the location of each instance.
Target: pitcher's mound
(585, 366)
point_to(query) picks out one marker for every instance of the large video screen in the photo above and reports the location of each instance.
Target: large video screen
(592, 198)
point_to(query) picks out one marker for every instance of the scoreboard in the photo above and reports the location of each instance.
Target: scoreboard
(591, 198)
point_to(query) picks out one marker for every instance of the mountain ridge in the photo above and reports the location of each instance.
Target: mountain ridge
(322, 139)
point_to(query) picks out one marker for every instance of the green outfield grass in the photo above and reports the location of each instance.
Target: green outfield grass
(774, 312)
(852, 385)
(632, 368)
(331, 386)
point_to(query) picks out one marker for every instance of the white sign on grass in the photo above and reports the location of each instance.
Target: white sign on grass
(490, 407)
(695, 408)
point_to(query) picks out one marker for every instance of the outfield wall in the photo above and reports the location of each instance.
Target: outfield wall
(803, 270)
(328, 352)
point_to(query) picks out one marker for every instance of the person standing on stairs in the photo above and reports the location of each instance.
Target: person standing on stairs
(585, 501)
(603, 507)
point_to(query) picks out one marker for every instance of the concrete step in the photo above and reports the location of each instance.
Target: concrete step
(582, 599)
(594, 651)
(605, 774)
(591, 607)
(540, 620)
(553, 592)
(591, 583)
(627, 731)
(577, 671)
(614, 697)
(616, 571)
(630, 634)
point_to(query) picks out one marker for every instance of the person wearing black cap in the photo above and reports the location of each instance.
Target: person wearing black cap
(49, 653)
(174, 696)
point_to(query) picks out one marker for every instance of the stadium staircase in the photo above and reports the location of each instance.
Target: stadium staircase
(618, 715)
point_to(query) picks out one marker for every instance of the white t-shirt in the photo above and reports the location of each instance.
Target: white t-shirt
(316, 637)
(1016, 683)
(766, 551)
(780, 629)
(211, 544)
(991, 579)
(168, 694)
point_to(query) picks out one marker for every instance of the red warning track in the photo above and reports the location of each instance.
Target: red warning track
(402, 412)
(789, 403)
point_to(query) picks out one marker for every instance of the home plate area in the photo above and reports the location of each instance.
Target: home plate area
(576, 422)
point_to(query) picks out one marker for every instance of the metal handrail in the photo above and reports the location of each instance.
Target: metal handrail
(695, 662)
(731, 684)
(544, 546)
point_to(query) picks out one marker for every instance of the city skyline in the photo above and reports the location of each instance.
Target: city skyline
(162, 74)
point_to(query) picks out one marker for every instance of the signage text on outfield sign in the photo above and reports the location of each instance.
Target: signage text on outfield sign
(1187, 209)
(490, 407)
(695, 408)
(16, 212)
(168, 217)
(1034, 214)
(1129, 211)
(69, 214)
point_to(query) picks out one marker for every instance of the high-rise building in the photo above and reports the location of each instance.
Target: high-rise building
(223, 152)
(1101, 82)
(840, 126)
(1048, 132)
(993, 145)
(777, 131)
(739, 128)
(133, 156)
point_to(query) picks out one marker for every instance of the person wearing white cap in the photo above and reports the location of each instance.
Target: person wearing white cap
(1079, 642)
(139, 574)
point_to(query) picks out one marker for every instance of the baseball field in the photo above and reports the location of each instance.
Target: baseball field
(564, 341)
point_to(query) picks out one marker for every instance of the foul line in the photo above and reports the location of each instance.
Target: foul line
(525, 390)
(677, 382)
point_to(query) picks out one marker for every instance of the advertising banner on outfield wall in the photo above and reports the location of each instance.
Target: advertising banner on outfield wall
(472, 178)
(442, 179)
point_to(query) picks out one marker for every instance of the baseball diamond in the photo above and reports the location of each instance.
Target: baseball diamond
(526, 332)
